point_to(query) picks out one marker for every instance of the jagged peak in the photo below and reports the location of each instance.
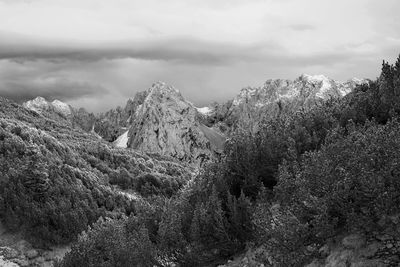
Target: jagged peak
(163, 87)
(161, 92)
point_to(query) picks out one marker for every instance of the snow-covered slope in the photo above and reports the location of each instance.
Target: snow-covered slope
(122, 140)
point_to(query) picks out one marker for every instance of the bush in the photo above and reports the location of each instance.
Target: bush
(122, 242)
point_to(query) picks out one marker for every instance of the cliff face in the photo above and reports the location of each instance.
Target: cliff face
(165, 123)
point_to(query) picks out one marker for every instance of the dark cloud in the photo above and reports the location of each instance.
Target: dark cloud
(63, 90)
(21, 82)
(178, 50)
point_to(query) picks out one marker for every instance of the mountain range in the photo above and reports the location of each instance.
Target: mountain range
(160, 120)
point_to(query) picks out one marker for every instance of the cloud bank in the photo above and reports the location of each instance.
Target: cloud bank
(97, 53)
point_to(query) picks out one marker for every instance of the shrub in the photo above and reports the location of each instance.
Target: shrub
(122, 242)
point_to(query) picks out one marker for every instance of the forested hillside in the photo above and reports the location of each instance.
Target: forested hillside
(56, 180)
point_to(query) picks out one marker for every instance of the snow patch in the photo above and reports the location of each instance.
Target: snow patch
(122, 140)
(204, 110)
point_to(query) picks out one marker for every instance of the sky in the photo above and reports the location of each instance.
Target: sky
(97, 53)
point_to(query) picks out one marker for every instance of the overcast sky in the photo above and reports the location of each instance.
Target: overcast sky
(97, 53)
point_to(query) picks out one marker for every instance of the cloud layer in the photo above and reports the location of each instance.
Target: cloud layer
(88, 51)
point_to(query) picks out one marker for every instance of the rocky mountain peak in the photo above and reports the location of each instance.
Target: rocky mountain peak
(40, 104)
(165, 123)
(162, 92)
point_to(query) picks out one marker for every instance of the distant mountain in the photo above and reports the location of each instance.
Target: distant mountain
(255, 103)
(39, 104)
(107, 126)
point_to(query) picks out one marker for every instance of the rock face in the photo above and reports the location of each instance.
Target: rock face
(165, 123)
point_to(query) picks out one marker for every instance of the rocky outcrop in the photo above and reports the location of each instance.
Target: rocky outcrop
(165, 123)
